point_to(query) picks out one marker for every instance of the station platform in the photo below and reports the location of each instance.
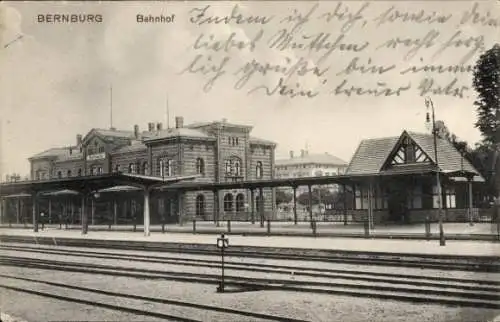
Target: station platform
(452, 247)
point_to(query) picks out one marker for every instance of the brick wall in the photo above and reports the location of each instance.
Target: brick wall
(72, 165)
(265, 155)
(123, 160)
(172, 151)
(44, 166)
(192, 150)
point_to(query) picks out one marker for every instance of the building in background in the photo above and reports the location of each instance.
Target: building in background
(310, 165)
(216, 151)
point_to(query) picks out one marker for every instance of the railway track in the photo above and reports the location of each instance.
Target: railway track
(246, 266)
(228, 313)
(410, 288)
(448, 262)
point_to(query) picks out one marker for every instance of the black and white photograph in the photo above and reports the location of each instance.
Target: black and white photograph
(209, 161)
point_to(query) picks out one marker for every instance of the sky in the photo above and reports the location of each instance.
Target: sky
(56, 77)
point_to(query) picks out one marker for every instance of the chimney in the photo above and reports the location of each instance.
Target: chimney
(136, 131)
(179, 122)
(291, 154)
(302, 153)
(151, 127)
(78, 139)
(159, 126)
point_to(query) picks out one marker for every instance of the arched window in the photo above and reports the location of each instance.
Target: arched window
(165, 167)
(117, 168)
(228, 166)
(68, 174)
(258, 170)
(93, 170)
(131, 168)
(99, 170)
(59, 174)
(200, 205)
(79, 172)
(240, 202)
(228, 202)
(233, 167)
(237, 167)
(200, 166)
(144, 169)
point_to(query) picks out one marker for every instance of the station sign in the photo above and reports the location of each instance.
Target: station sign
(97, 156)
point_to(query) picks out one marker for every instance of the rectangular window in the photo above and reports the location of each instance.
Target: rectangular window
(379, 198)
(410, 153)
(451, 198)
(358, 197)
(166, 168)
(435, 197)
(414, 200)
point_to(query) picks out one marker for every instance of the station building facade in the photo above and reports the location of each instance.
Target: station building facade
(217, 151)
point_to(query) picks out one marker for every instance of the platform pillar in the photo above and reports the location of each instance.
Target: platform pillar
(115, 212)
(344, 190)
(35, 210)
(261, 207)
(295, 217)
(146, 212)
(84, 214)
(471, 206)
(2, 213)
(92, 210)
(216, 207)
(18, 210)
(370, 205)
(252, 201)
(309, 187)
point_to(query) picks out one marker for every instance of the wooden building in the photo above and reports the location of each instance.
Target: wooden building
(396, 179)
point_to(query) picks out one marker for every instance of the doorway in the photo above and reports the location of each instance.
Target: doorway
(397, 202)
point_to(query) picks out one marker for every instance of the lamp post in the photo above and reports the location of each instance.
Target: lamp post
(428, 103)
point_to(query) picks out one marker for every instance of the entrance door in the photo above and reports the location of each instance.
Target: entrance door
(397, 202)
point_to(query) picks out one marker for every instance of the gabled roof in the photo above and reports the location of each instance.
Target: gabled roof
(54, 152)
(218, 123)
(135, 146)
(178, 132)
(59, 154)
(372, 154)
(315, 158)
(108, 134)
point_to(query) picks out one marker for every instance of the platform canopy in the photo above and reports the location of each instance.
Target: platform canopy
(87, 184)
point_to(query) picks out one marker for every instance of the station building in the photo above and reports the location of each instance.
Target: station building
(391, 179)
(394, 180)
(214, 152)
